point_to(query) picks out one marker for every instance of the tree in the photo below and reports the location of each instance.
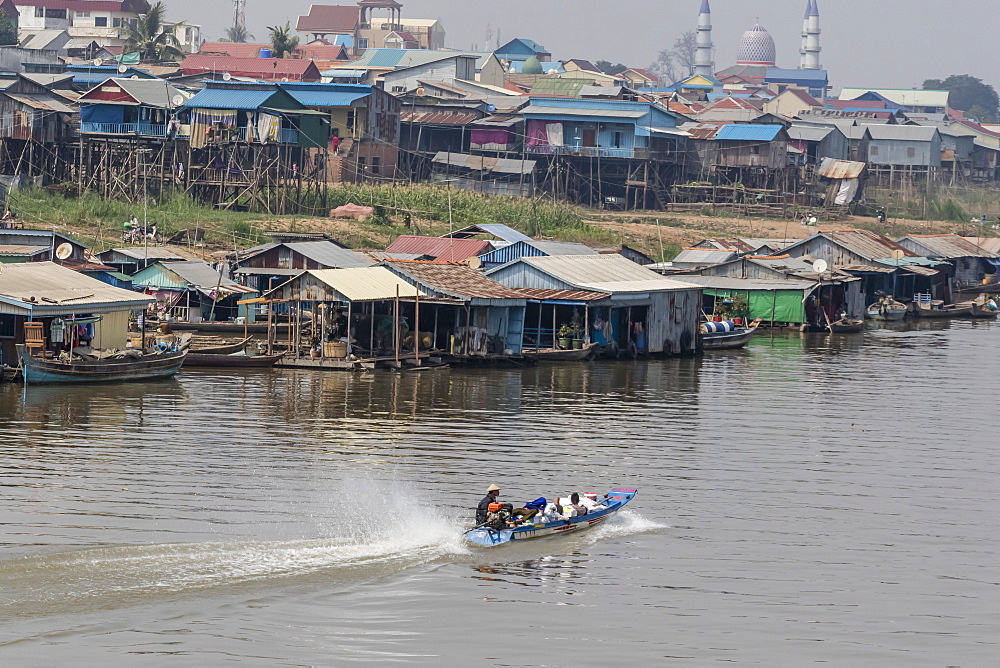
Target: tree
(967, 92)
(282, 42)
(8, 29)
(606, 67)
(672, 64)
(150, 37)
(238, 34)
(685, 51)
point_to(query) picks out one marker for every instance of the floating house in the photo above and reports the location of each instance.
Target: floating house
(266, 266)
(20, 245)
(643, 312)
(131, 107)
(532, 248)
(194, 291)
(131, 259)
(971, 263)
(438, 248)
(45, 291)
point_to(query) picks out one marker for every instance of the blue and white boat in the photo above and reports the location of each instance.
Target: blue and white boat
(613, 501)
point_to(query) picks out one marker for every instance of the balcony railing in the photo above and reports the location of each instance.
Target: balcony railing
(640, 153)
(141, 129)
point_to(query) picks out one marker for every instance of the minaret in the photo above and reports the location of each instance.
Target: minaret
(805, 36)
(812, 38)
(703, 63)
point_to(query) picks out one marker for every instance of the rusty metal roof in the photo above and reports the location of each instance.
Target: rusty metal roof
(453, 279)
(840, 169)
(15, 249)
(451, 250)
(866, 243)
(439, 117)
(545, 294)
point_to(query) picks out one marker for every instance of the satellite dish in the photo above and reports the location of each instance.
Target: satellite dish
(226, 76)
(98, 62)
(122, 69)
(63, 251)
(897, 255)
(819, 266)
(177, 100)
(134, 77)
(475, 262)
(491, 108)
(420, 90)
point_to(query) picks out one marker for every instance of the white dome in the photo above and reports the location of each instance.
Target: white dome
(756, 47)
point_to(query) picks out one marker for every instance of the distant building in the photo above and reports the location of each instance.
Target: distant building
(90, 20)
(521, 49)
(368, 28)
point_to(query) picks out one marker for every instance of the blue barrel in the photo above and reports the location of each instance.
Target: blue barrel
(265, 53)
(720, 327)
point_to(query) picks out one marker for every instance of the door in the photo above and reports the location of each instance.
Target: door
(590, 138)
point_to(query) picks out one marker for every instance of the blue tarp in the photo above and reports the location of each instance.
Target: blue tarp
(102, 113)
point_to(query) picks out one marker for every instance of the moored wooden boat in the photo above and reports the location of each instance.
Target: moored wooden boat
(559, 355)
(887, 309)
(199, 358)
(846, 326)
(981, 311)
(945, 311)
(228, 327)
(118, 369)
(614, 501)
(726, 339)
(227, 349)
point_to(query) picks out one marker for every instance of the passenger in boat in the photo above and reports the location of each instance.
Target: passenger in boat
(492, 493)
(574, 502)
(515, 515)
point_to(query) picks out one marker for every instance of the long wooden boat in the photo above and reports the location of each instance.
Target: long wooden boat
(613, 501)
(981, 311)
(199, 358)
(228, 327)
(887, 309)
(560, 355)
(846, 326)
(949, 311)
(107, 370)
(730, 340)
(227, 349)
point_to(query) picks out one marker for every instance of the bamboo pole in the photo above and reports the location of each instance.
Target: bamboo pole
(416, 327)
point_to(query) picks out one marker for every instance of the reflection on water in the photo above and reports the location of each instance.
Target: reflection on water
(811, 495)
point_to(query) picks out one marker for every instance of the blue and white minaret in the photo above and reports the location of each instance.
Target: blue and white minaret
(810, 59)
(703, 63)
(805, 36)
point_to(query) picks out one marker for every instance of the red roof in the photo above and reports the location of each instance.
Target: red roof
(330, 19)
(804, 96)
(295, 69)
(451, 250)
(305, 51)
(455, 279)
(737, 103)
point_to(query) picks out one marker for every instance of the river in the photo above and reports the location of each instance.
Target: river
(809, 498)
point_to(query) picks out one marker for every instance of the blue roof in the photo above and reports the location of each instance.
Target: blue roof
(93, 75)
(785, 74)
(346, 41)
(743, 132)
(326, 95)
(223, 98)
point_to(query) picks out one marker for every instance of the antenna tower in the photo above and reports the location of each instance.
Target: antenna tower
(239, 17)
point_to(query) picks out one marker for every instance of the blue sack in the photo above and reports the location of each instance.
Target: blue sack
(537, 504)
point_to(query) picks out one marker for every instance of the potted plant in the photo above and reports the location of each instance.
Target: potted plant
(576, 324)
(566, 336)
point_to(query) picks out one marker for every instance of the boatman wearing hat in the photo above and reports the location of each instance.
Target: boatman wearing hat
(492, 493)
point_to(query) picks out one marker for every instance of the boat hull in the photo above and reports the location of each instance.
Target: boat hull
(239, 346)
(555, 355)
(148, 367)
(959, 312)
(727, 340)
(850, 326)
(228, 327)
(197, 358)
(615, 501)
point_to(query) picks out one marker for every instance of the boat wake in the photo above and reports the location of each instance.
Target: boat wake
(369, 546)
(626, 523)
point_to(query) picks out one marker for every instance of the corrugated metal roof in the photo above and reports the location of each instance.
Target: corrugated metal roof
(451, 250)
(195, 273)
(544, 294)
(727, 283)
(482, 163)
(151, 92)
(226, 98)
(747, 132)
(990, 244)
(809, 132)
(57, 289)
(840, 169)
(144, 252)
(538, 110)
(902, 132)
(330, 255)
(19, 250)
(363, 284)
(603, 273)
(562, 248)
(269, 68)
(495, 229)
(322, 98)
(705, 256)
(948, 246)
(453, 280)
(41, 102)
(905, 97)
(869, 245)
(439, 117)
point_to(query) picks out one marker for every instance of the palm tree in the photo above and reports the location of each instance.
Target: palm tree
(238, 34)
(282, 42)
(151, 37)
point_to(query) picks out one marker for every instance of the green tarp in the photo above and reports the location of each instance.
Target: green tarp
(769, 305)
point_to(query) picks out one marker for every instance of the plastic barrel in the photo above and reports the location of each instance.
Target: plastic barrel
(265, 53)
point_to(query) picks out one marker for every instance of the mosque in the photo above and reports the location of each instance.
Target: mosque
(756, 53)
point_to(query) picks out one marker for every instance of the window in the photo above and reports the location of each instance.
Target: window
(117, 23)
(55, 13)
(911, 152)
(7, 326)
(399, 89)
(362, 43)
(39, 12)
(100, 21)
(361, 164)
(350, 121)
(755, 149)
(874, 150)
(618, 140)
(376, 163)
(83, 15)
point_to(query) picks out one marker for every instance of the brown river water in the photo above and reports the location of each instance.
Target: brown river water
(807, 499)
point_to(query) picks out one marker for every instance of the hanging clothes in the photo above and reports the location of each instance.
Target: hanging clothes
(57, 330)
(202, 121)
(267, 128)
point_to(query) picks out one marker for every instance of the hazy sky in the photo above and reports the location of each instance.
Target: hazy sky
(874, 43)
